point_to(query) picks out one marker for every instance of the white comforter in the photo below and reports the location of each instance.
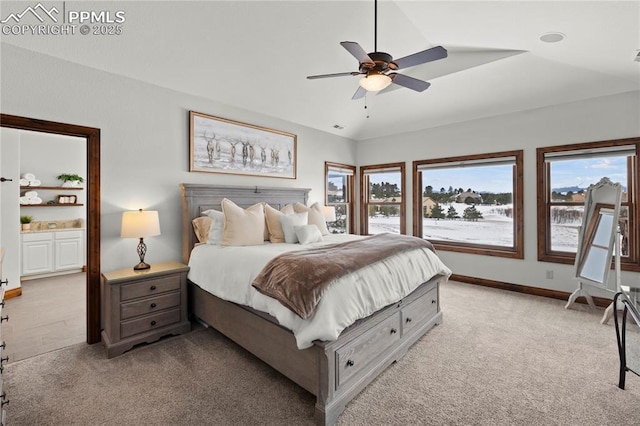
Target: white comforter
(227, 272)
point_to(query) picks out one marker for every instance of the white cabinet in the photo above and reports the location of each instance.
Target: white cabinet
(52, 252)
(68, 250)
(37, 253)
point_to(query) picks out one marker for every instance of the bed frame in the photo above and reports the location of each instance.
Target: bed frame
(335, 372)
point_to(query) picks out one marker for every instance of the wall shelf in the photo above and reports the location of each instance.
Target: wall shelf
(51, 205)
(61, 188)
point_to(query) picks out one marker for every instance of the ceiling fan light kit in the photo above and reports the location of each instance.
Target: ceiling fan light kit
(375, 81)
(377, 66)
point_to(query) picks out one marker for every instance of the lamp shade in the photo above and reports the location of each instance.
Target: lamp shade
(140, 224)
(329, 213)
(374, 82)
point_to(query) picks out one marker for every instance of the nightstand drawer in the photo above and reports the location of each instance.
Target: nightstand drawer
(148, 305)
(151, 322)
(149, 287)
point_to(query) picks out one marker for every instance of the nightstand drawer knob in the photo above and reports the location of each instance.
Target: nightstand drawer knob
(153, 323)
(4, 318)
(394, 331)
(153, 305)
(153, 287)
(408, 319)
(350, 363)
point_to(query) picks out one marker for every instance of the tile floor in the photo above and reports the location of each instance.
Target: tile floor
(50, 314)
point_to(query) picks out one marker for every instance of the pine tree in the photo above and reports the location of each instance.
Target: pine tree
(452, 213)
(437, 212)
(472, 214)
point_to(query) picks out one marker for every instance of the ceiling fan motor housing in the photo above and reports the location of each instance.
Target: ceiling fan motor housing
(382, 62)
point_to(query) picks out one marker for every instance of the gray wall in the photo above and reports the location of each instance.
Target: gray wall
(145, 146)
(611, 117)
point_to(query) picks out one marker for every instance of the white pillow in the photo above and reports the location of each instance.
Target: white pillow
(316, 216)
(217, 226)
(242, 227)
(289, 222)
(308, 234)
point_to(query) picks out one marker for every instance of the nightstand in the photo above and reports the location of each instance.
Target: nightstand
(142, 306)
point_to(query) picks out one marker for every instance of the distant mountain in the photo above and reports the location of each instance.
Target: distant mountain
(566, 189)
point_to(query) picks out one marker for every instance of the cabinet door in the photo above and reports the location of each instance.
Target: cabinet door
(68, 251)
(37, 257)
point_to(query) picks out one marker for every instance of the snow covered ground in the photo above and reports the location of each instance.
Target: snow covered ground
(495, 228)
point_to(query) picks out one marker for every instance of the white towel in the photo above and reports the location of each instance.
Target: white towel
(35, 182)
(24, 182)
(35, 200)
(31, 194)
(28, 176)
(24, 200)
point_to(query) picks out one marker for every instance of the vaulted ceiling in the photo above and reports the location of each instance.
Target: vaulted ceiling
(256, 56)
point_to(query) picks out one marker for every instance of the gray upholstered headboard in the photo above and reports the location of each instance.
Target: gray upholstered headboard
(197, 198)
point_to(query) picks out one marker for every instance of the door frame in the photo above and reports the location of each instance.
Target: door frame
(92, 136)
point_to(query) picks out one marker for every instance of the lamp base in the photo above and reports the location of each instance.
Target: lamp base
(141, 266)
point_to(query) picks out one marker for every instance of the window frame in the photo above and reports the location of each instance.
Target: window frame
(364, 196)
(515, 252)
(543, 178)
(350, 192)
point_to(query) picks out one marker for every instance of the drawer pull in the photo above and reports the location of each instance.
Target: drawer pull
(408, 320)
(350, 363)
(153, 305)
(153, 323)
(3, 345)
(153, 287)
(4, 399)
(394, 331)
(4, 359)
(2, 303)
(3, 282)
(4, 318)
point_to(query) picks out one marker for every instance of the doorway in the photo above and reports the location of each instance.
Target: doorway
(92, 137)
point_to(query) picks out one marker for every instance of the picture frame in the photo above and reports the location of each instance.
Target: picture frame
(220, 145)
(66, 199)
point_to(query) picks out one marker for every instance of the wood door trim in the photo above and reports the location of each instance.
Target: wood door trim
(92, 136)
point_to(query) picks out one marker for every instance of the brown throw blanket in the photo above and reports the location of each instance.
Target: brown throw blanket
(299, 279)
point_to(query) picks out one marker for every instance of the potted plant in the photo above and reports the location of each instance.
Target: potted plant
(26, 222)
(69, 179)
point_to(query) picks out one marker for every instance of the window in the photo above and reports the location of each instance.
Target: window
(339, 193)
(382, 199)
(564, 174)
(471, 204)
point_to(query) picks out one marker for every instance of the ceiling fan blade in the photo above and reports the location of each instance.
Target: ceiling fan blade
(338, 74)
(428, 55)
(357, 51)
(359, 93)
(409, 82)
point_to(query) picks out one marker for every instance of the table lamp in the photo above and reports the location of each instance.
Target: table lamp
(140, 224)
(329, 213)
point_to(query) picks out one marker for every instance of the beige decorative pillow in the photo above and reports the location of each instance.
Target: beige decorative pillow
(276, 234)
(201, 227)
(316, 216)
(242, 227)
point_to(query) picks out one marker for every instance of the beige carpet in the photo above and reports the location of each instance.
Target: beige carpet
(499, 358)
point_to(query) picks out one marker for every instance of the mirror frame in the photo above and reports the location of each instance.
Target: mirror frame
(92, 136)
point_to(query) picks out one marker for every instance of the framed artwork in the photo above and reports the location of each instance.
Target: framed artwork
(218, 145)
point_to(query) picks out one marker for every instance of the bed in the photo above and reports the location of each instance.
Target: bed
(334, 371)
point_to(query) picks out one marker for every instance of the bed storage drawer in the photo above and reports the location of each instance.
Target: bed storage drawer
(150, 322)
(419, 311)
(149, 305)
(354, 356)
(150, 287)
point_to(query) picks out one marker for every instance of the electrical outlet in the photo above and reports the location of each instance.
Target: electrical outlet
(549, 275)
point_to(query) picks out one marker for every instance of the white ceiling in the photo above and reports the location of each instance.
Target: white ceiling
(256, 55)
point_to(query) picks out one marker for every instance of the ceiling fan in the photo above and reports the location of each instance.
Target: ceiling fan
(377, 66)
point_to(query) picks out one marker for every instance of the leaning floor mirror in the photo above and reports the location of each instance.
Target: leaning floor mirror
(598, 241)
